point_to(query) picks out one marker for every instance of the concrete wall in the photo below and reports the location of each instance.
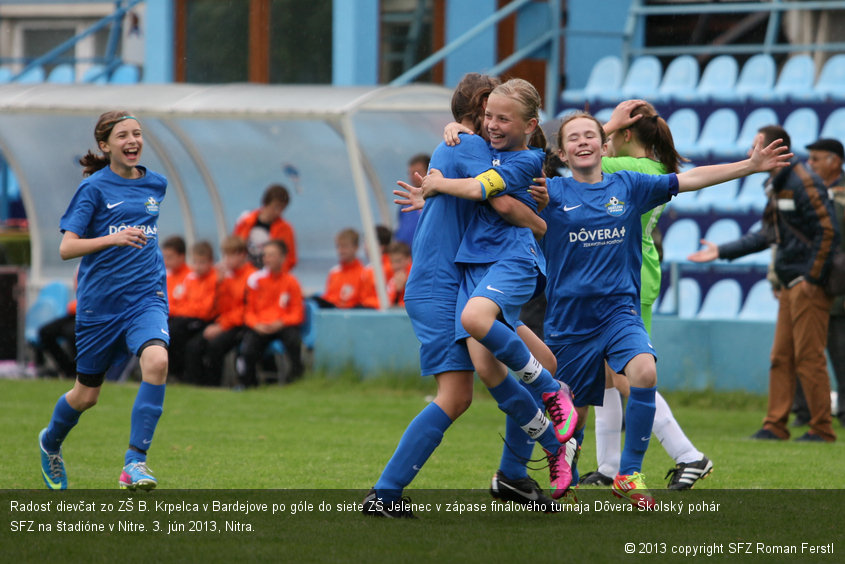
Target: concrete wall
(693, 354)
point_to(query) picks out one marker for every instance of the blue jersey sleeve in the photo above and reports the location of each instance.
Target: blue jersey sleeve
(472, 155)
(80, 211)
(649, 190)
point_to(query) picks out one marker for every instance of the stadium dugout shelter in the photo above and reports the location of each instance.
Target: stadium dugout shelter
(339, 150)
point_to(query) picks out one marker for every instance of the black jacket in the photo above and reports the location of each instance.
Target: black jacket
(798, 201)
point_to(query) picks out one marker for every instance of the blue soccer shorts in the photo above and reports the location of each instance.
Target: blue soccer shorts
(433, 320)
(581, 364)
(105, 341)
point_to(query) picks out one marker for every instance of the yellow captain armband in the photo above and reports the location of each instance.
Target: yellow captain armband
(491, 183)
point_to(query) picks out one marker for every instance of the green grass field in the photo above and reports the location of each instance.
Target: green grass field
(327, 439)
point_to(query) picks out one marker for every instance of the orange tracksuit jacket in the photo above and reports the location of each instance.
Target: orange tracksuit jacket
(345, 285)
(231, 297)
(279, 229)
(198, 296)
(273, 296)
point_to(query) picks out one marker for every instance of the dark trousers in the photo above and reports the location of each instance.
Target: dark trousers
(51, 336)
(182, 330)
(204, 359)
(252, 349)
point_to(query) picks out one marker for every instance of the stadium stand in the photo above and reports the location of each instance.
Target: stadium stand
(757, 78)
(680, 240)
(603, 83)
(719, 133)
(680, 80)
(50, 304)
(684, 125)
(831, 82)
(796, 79)
(689, 299)
(758, 118)
(718, 81)
(752, 197)
(760, 304)
(643, 78)
(723, 231)
(95, 74)
(5, 75)
(61, 74)
(722, 300)
(125, 74)
(803, 128)
(834, 125)
(719, 198)
(33, 75)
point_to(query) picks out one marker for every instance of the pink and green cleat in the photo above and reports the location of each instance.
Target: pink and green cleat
(562, 412)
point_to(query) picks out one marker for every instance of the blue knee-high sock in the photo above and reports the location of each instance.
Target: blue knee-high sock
(639, 419)
(145, 414)
(517, 402)
(420, 439)
(507, 347)
(63, 420)
(518, 446)
(579, 437)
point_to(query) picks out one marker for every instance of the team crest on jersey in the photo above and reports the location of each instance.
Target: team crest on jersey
(152, 206)
(497, 162)
(615, 206)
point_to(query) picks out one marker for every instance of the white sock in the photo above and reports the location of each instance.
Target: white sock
(530, 371)
(671, 436)
(537, 426)
(609, 433)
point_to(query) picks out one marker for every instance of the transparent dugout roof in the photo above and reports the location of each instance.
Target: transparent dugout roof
(338, 150)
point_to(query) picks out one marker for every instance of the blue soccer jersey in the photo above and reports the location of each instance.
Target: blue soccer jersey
(489, 237)
(443, 221)
(117, 278)
(594, 249)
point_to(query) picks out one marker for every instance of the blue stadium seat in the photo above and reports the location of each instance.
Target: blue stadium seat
(51, 303)
(721, 197)
(760, 258)
(752, 196)
(603, 83)
(603, 115)
(643, 78)
(56, 291)
(760, 304)
(718, 81)
(5, 75)
(758, 118)
(61, 74)
(719, 132)
(803, 128)
(689, 299)
(831, 82)
(796, 78)
(681, 239)
(679, 80)
(95, 74)
(834, 125)
(684, 125)
(125, 74)
(722, 300)
(32, 76)
(723, 231)
(757, 78)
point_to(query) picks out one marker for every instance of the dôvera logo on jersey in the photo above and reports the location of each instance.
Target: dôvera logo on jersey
(149, 230)
(597, 237)
(614, 206)
(152, 206)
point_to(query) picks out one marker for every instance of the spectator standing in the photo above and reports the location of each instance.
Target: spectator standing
(799, 220)
(260, 225)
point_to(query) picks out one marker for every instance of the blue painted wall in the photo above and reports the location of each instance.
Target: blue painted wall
(355, 33)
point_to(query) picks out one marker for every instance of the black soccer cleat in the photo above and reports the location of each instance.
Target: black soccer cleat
(524, 491)
(375, 507)
(685, 475)
(596, 478)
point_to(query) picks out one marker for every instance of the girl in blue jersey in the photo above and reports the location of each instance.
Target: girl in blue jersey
(594, 250)
(502, 265)
(431, 297)
(111, 223)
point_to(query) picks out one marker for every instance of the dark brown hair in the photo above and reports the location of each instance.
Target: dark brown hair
(92, 162)
(275, 193)
(653, 133)
(469, 97)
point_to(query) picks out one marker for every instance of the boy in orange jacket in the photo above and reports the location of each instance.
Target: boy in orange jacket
(265, 223)
(206, 352)
(274, 310)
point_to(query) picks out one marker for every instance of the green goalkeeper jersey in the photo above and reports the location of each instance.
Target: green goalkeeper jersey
(650, 273)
